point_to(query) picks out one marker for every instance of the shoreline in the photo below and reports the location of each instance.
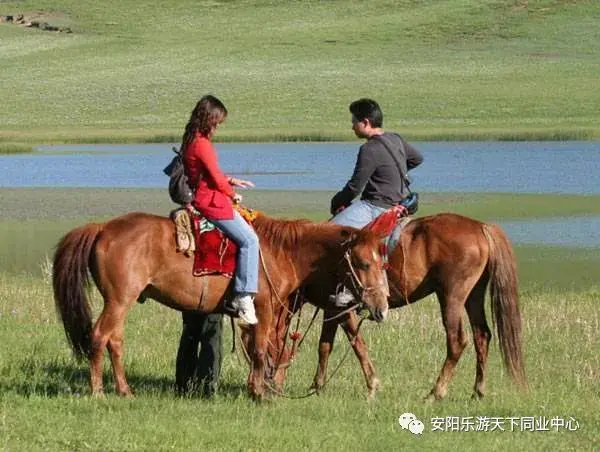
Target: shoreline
(19, 144)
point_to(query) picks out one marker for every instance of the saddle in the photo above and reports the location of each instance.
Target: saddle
(214, 253)
(389, 225)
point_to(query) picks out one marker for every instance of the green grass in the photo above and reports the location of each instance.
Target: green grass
(44, 396)
(444, 69)
(45, 401)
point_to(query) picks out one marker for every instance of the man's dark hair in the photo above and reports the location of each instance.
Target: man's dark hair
(367, 109)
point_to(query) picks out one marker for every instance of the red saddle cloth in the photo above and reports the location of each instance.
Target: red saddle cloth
(215, 252)
(384, 226)
(385, 223)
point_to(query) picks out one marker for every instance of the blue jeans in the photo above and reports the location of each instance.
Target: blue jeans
(358, 214)
(238, 230)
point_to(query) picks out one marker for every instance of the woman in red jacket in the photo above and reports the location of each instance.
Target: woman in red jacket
(214, 197)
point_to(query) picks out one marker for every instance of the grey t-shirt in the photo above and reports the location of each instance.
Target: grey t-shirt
(376, 173)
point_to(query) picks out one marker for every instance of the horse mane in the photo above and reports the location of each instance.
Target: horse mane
(288, 235)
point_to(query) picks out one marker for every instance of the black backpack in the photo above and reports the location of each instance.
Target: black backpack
(179, 190)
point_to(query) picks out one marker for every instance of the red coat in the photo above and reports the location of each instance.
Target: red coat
(213, 192)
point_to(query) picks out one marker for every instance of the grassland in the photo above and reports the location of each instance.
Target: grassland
(131, 71)
(443, 69)
(44, 396)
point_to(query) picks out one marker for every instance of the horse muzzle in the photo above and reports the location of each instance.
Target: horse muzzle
(378, 314)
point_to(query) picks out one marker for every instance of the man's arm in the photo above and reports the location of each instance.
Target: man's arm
(413, 157)
(365, 165)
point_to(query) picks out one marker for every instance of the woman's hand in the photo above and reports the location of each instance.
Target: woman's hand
(237, 198)
(241, 183)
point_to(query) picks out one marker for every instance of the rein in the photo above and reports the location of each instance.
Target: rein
(357, 285)
(314, 391)
(272, 286)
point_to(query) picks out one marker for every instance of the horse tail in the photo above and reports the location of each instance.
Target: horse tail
(71, 281)
(504, 295)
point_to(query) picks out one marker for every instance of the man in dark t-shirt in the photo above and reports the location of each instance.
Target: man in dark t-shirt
(379, 174)
(380, 170)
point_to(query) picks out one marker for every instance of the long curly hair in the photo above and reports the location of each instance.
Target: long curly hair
(208, 113)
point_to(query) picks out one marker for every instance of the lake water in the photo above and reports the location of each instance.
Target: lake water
(574, 232)
(515, 167)
(522, 167)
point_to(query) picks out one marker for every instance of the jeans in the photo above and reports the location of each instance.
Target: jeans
(358, 214)
(238, 230)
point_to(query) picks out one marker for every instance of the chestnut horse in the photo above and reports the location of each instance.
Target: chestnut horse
(133, 257)
(454, 257)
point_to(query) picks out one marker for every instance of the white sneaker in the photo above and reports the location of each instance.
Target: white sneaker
(244, 305)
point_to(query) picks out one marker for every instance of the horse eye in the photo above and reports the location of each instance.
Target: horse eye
(363, 265)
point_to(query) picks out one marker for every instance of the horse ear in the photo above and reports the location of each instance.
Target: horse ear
(348, 235)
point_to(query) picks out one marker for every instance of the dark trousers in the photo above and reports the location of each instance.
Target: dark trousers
(199, 370)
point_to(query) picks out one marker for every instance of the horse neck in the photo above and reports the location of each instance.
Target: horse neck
(306, 246)
(321, 244)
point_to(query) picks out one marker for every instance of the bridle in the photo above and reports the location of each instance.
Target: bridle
(356, 286)
(359, 290)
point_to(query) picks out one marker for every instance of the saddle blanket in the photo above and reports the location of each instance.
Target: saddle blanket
(389, 225)
(214, 253)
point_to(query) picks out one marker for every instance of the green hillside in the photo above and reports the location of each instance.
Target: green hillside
(445, 69)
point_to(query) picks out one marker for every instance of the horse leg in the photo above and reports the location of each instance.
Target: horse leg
(481, 334)
(256, 379)
(456, 341)
(328, 330)
(99, 341)
(350, 327)
(115, 349)
(108, 333)
(283, 356)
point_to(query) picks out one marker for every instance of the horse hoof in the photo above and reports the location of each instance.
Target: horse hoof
(316, 387)
(374, 387)
(125, 392)
(477, 395)
(375, 384)
(257, 397)
(431, 397)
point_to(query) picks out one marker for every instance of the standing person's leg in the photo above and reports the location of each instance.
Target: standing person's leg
(187, 354)
(211, 351)
(246, 274)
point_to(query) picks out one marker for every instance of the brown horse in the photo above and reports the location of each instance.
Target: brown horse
(454, 257)
(133, 257)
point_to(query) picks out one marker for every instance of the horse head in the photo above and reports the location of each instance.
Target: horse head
(362, 271)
